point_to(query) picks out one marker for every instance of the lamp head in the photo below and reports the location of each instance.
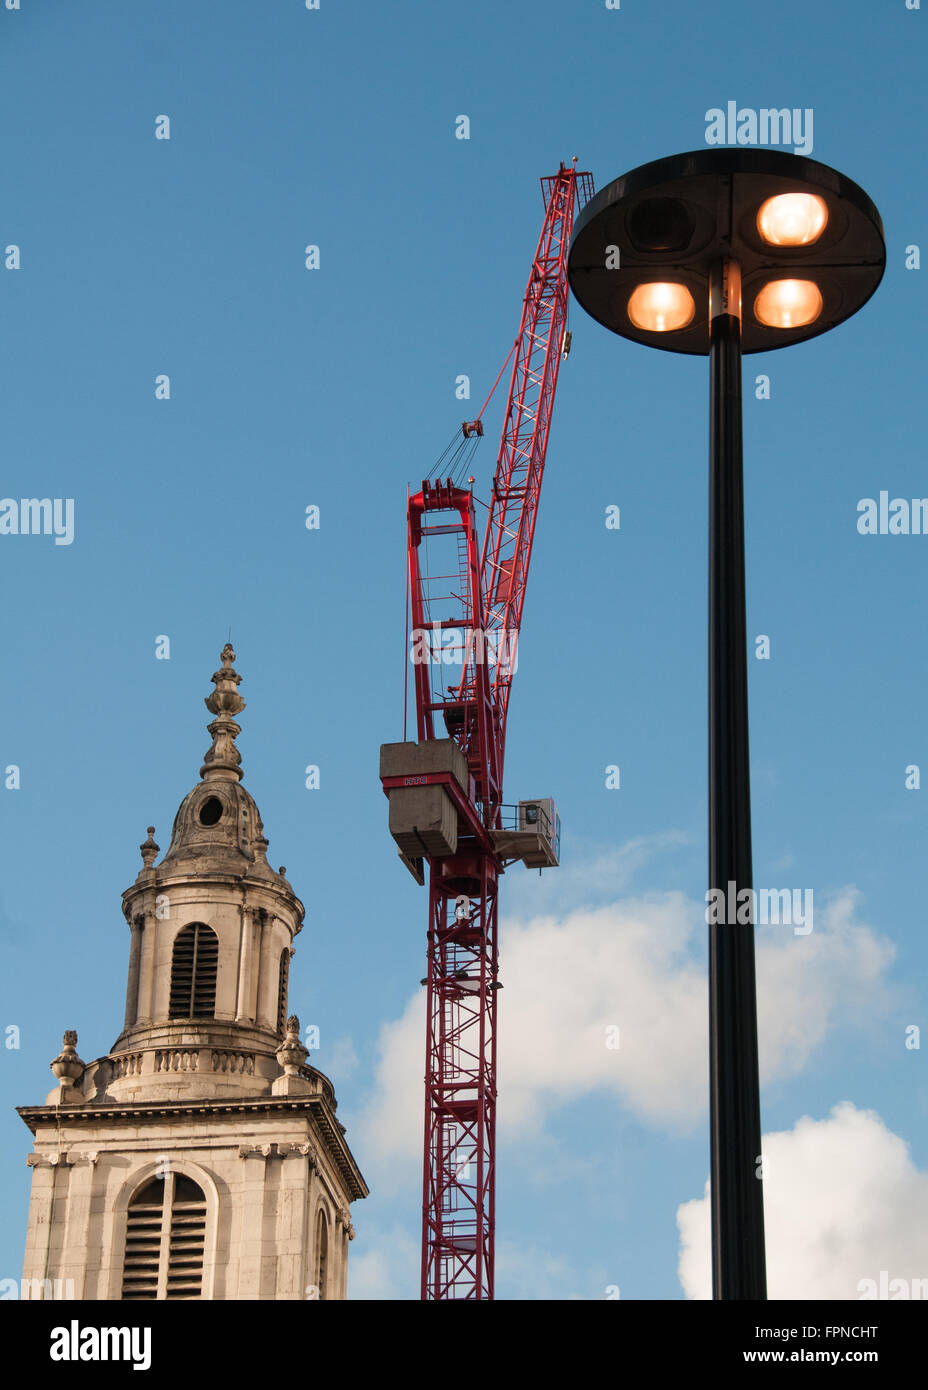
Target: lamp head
(808, 241)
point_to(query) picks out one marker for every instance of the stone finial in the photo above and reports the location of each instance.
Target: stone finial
(149, 849)
(292, 1054)
(67, 1066)
(223, 761)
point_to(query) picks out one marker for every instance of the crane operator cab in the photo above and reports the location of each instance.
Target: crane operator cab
(541, 819)
(530, 832)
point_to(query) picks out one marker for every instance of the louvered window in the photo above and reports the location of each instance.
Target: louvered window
(143, 1242)
(193, 972)
(282, 992)
(187, 1240)
(165, 1241)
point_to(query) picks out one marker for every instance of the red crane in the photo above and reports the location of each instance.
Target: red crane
(446, 790)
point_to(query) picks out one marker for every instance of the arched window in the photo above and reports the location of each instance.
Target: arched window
(165, 1240)
(193, 972)
(322, 1253)
(282, 992)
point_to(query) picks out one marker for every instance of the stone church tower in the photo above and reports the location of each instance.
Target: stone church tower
(201, 1157)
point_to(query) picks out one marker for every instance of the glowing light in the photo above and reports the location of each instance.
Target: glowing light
(792, 219)
(661, 307)
(788, 303)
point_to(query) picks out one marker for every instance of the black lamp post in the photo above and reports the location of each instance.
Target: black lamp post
(667, 255)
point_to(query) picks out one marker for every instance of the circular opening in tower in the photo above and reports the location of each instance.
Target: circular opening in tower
(211, 811)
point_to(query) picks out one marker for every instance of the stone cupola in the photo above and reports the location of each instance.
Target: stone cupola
(212, 929)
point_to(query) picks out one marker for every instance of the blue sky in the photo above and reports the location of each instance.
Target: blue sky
(335, 387)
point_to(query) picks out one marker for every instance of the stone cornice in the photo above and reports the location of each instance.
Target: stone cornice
(330, 1129)
(158, 882)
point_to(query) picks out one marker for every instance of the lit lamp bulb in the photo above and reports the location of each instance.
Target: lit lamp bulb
(788, 303)
(661, 307)
(792, 219)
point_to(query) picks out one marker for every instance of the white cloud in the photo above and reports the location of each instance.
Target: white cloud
(339, 1060)
(389, 1128)
(383, 1263)
(627, 966)
(806, 983)
(638, 964)
(843, 1202)
(592, 882)
(386, 1268)
(530, 1272)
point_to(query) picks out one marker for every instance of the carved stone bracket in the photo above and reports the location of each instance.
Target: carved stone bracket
(256, 1151)
(71, 1159)
(343, 1218)
(266, 1151)
(306, 1151)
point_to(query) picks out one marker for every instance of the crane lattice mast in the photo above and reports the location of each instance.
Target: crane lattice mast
(446, 792)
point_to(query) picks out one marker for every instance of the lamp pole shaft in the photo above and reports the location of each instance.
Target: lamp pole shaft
(738, 1262)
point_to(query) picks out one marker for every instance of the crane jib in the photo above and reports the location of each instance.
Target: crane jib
(445, 790)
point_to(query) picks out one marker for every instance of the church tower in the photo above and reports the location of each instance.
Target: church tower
(201, 1156)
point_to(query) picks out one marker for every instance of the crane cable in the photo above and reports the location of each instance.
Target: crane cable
(462, 449)
(515, 344)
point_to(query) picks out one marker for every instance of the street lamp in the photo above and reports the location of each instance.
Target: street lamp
(716, 253)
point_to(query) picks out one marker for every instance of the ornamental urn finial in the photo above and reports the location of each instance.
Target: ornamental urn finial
(67, 1066)
(292, 1054)
(149, 849)
(224, 761)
